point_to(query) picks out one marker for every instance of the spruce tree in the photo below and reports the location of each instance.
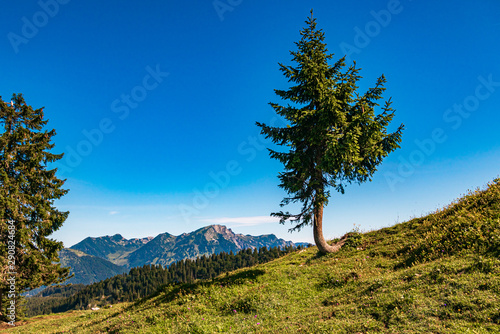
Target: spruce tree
(28, 216)
(333, 136)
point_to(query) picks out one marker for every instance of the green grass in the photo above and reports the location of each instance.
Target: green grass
(435, 274)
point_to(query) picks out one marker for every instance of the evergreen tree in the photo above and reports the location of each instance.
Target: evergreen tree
(333, 135)
(27, 193)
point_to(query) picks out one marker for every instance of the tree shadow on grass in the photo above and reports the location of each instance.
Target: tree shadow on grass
(80, 326)
(173, 291)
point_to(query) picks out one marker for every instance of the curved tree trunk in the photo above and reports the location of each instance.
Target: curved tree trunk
(320, 241)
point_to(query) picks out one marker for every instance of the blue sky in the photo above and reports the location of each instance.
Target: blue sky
(155, 104)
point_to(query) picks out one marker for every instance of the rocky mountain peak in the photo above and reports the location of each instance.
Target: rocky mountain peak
(214, 232)
(143, 240)
(166, 248)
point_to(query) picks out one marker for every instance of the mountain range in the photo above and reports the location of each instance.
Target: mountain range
(95, 259)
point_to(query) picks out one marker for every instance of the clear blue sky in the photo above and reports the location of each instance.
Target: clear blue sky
(155, 103)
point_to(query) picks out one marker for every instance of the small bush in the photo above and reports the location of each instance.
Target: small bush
(354, 239)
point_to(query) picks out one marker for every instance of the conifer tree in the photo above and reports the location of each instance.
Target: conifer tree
(28, 189)
(333, 135)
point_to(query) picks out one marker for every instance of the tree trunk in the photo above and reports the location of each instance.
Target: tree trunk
(320, 241)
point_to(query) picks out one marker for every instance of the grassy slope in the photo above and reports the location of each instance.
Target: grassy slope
(436, 274)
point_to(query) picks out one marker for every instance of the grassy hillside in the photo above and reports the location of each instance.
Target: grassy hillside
(435, 274)
(142, 281)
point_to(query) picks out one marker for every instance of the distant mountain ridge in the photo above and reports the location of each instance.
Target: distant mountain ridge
(112, 248)
(166, 248)
(88, 268)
